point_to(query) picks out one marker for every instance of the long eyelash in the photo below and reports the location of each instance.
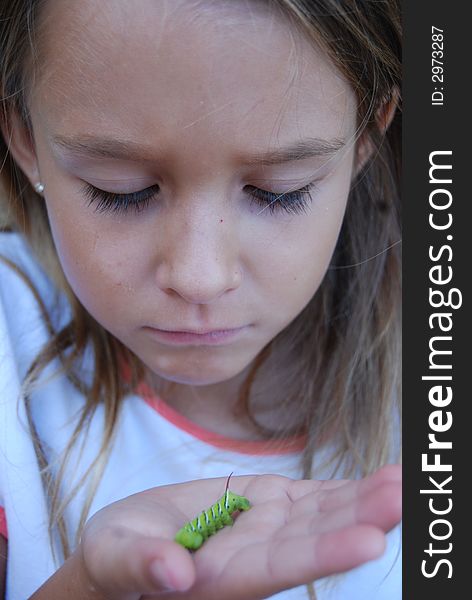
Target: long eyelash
(295, 202)
(118, 203)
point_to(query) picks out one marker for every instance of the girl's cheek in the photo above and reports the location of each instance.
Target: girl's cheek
(77, 240)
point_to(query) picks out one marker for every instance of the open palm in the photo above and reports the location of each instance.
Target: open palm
(295, 532)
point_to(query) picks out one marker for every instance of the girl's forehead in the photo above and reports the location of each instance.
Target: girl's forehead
(122, 65)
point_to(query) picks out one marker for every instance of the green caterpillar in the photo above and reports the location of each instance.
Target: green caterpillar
(195, 532)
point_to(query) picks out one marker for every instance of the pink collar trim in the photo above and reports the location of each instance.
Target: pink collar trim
(259, 447)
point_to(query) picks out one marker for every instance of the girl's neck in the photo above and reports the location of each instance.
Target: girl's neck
(218, 407)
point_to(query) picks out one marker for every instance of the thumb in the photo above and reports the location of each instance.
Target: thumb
(170, 567)
(136, 565)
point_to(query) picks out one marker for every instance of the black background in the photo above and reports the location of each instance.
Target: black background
(428, 128)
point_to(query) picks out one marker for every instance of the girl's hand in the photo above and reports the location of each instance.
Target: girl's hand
(295, 532)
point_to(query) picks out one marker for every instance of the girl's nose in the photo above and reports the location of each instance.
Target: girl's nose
(200, 261)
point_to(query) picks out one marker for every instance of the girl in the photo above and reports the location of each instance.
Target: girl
(199, 275)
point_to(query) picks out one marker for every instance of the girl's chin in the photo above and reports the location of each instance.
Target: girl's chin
(205, 370)
(199, 378)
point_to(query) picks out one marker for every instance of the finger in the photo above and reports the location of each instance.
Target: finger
(369, 486)
(134, 563)
(301, 560)
(270, 568)
(345, 492)
(381, 507)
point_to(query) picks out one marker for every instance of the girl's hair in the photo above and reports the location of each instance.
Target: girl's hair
(344, 370)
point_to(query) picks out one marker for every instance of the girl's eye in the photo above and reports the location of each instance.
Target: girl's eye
(294, 202)
(119, 203)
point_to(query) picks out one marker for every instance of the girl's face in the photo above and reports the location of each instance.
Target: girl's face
(171, 137)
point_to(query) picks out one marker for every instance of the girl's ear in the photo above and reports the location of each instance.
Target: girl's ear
(20, 144)
(383, 117)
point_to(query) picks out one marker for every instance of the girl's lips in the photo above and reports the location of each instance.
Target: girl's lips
(213, 338)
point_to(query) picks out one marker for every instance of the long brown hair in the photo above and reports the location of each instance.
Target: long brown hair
(345, 345)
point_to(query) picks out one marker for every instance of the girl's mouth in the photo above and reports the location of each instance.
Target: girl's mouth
(215, 337)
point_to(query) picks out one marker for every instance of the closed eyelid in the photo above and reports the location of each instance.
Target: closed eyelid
(296, 173)
(302, 180)
(285, 185)
(118, 179)
(121, 186)
(293, 201)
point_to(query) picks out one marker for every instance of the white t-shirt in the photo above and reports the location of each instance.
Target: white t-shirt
(154, 446)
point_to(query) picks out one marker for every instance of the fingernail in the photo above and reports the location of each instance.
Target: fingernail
(160, 575)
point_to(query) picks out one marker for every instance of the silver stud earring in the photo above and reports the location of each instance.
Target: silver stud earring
(39, 187)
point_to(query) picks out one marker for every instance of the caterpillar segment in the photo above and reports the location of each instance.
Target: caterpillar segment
(194, 533)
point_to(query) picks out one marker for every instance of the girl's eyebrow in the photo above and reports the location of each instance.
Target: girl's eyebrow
(99, 147)
(307, 148)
